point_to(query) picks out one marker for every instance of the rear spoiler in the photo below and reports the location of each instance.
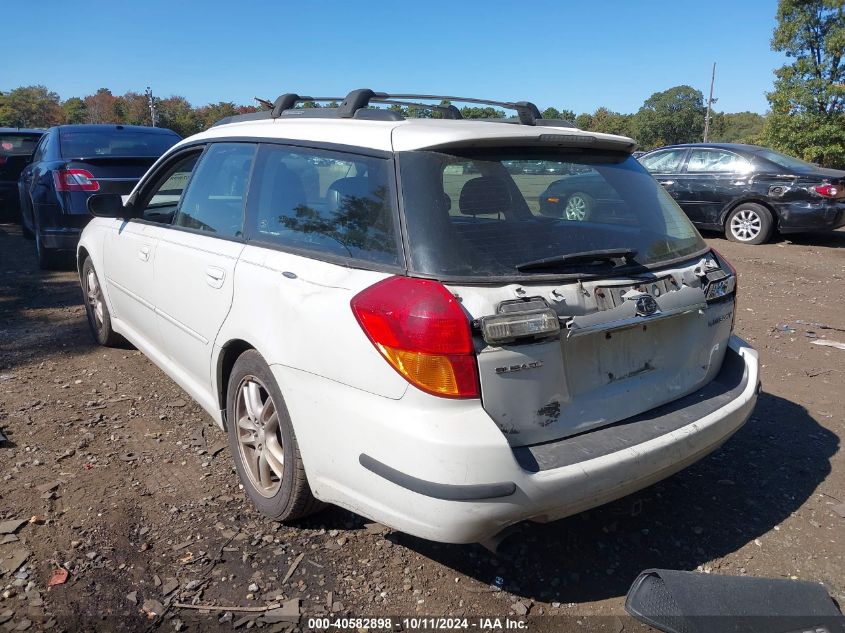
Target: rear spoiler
(563, 138)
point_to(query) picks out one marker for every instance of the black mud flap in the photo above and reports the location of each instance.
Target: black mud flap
(690, 602)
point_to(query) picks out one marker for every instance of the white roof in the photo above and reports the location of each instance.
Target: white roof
(412, 134)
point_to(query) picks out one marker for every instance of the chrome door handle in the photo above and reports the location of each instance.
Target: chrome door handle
(144, 253)
(666, 183)
(214, 276)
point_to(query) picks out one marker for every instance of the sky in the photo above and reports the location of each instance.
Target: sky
(577, 55)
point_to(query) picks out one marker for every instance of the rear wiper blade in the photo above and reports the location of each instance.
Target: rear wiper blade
(584, 257)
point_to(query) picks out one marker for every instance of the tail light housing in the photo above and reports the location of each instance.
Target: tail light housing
(419, 327)
(731, 273)
(830, 191)
(74, 180)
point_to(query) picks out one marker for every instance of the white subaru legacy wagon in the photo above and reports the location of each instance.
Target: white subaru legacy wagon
(448, 326)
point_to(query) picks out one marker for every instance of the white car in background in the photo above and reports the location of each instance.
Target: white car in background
(377, 312)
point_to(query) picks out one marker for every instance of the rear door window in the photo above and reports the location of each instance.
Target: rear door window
(714, 161)
(214, 200)
(325, 202)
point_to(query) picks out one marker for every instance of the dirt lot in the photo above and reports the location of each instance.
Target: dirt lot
(131, 491)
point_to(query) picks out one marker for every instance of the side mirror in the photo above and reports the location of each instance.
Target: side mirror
(108, 205)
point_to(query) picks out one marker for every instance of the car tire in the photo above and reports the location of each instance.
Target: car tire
(579, 207)
(263, 442)
(96, 310)
(749, 223)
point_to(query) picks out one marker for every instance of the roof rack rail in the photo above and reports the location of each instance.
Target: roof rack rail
(356, 104)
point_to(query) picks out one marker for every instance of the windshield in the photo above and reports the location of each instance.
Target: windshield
(783, 160)
(482, 214)
(115, 142)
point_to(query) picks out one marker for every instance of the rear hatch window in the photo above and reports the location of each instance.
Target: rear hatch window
(115, 142)
(18, 144)
(15, 150)
(493, 214)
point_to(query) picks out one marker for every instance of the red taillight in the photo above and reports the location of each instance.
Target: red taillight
(830, 191)
(421, 330)
(74, 180)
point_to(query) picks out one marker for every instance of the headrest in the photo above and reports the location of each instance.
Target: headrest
(353, 187)
(483, 195)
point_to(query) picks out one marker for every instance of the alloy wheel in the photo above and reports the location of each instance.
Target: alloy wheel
(95, 297)
(746, 225)
(259, 437)
(576, 208)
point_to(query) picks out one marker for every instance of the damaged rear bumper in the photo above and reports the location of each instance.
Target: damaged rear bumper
(446, 476)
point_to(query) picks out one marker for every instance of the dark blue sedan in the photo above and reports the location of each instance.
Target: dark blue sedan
(72, 162)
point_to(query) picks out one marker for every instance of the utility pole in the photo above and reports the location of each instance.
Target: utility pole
(709, 104)
(151, 101)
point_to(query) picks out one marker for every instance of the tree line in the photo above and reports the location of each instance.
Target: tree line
(806, 116)
(672, 116)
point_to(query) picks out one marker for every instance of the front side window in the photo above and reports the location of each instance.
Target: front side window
(214, 200)
(714, 161)
(323, 201)
(159, 202)
(666, 162)
(493, 213)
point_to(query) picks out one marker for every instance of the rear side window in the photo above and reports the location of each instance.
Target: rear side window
(214, 200)
(327, 202)
(114, 141)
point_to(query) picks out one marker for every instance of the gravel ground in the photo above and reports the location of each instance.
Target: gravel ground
(119, 479)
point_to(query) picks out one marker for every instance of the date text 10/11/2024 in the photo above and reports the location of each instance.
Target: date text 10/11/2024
(417, 624)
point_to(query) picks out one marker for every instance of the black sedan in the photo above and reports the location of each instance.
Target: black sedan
(70, 163)
(16, 146)
(748, 191)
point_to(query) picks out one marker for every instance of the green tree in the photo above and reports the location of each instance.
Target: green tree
(213, 112)
(30, 106)
(584, 120)
(807, 116)
(673, 116)
(177, 114)
(609, 122)
(74, 110)
(736, 127)
(487, 112)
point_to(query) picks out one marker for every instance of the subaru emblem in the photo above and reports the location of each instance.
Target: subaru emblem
(646, 305)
